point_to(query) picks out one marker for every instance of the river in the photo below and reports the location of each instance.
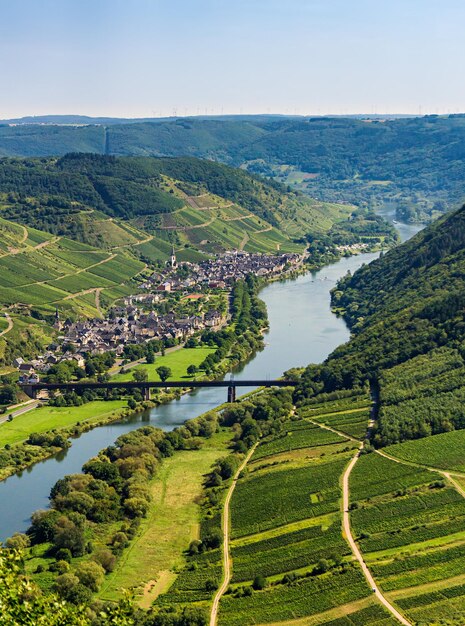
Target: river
(302, 330)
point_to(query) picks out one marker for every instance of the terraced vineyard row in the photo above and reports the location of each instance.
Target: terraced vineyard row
(286, 529)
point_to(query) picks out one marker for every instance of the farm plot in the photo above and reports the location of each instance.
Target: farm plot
(310, 596)
(296, 435)
(77, 258)
(288, 552)
(353, 423)
(280, 496)
(375, 475)
(419, 516)
(411, 531)
(444, 451)
(119, 269)
(339, 405)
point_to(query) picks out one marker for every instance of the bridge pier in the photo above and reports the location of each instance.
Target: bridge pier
(30, 391)
(232, 393)
(146, 393)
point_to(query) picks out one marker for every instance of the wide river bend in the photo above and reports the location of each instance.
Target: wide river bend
(302, 330)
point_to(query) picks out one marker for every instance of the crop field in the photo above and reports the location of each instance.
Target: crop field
(118, 269)
(281, 496)
(297, 435)
(409, 523)
(80, 282)
(156, 249)
(375, 475)
(445, 451)
(309, 596)
(340, 405)
(77, 258)
(288, 552)
(190, 255)
(353, 423)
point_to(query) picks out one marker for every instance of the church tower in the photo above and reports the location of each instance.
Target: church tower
(57, 323)
(173, 261)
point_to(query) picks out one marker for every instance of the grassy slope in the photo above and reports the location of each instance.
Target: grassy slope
(173, 521)
(44, 419)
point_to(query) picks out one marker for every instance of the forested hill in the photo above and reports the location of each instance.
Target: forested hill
(184, 201)
(417, 162)
(407, 311)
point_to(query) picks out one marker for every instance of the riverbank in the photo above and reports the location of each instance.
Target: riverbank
(294, 305)
(224, 356)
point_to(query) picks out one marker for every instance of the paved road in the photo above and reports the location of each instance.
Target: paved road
(226, 524)
(353, 546)
(24, 409)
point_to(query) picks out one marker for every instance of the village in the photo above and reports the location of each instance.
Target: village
(138, 318)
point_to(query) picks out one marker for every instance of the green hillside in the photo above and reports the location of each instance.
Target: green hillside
(145, 205)
(407, 313)
(367, 161)
(40, 272)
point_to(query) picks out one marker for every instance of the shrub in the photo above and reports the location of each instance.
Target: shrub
(90, 575)
(106, 559)
(259, 583)
(18, 541)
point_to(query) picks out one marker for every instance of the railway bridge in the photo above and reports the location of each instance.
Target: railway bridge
(231, 385)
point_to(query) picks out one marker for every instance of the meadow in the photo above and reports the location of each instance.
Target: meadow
(177, 360)
(46, 418)
(149, 566)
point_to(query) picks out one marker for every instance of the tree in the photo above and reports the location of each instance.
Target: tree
(23, 603)
(8, 394)
(140, 375)
(164, 372)
(18, 541)
(192, 369)
(259, 582)
(90, 575)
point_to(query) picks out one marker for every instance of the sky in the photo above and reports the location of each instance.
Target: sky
(152, 58)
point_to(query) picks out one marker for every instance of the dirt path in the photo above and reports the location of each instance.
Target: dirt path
(9, 327)
(226, 525)
(244, 241)
(333, 430)
(97, 301)
(353, 546)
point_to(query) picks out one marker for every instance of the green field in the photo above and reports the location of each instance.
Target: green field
(409, 523)
(149, 566)
(48, 418)
(178, 361)
(444, 451)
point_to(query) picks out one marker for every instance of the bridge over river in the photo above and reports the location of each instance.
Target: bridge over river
(145, 386)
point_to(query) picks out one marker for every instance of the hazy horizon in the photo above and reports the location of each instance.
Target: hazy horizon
(148, 58)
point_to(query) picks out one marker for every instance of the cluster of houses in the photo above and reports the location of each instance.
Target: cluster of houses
(220, 271)
(128, 324)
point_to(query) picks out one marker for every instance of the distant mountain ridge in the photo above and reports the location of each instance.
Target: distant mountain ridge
(418, 163)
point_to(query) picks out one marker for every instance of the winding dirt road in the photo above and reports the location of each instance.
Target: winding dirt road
(225, 526)
(353, 546)
(9, 327)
